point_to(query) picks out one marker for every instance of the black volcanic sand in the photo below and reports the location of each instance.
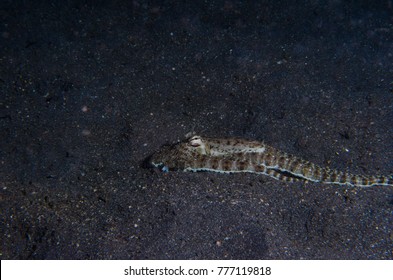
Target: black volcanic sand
(90, 90)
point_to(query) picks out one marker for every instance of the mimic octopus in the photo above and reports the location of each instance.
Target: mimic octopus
(231, 155)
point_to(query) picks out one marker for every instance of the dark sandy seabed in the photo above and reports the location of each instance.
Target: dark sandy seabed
(89, 89)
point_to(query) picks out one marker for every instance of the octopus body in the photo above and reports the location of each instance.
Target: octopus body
(231, 155)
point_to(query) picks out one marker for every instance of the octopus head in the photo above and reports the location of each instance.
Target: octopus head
(173, 157)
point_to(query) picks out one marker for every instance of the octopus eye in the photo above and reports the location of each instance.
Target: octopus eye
(196, 141)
